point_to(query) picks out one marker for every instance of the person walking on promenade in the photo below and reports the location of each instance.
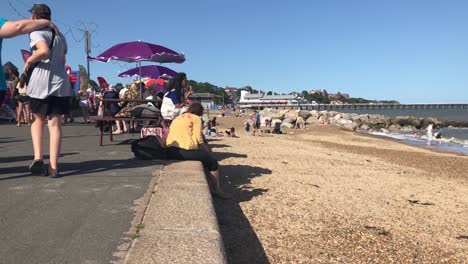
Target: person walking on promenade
(429, 134)
(185, 142)
(84, 105)
(49, 90)
(23, 101)
(10, 29)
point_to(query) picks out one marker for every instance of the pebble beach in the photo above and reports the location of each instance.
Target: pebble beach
(328, 195)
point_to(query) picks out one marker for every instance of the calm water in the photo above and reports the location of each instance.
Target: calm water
(441, 114)
(454, 139)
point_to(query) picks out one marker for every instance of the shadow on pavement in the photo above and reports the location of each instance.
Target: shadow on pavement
(98, 166)
(30, 158)
(240, 240)
(84, 167)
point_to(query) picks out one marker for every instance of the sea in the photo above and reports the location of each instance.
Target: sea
(454, 139)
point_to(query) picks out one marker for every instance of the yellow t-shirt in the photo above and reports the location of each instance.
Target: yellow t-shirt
(185, 132)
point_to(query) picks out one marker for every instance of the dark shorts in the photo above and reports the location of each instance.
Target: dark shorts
(23, 99)
(51, 105)
(210, 163)
(2, 96)
(257, 125)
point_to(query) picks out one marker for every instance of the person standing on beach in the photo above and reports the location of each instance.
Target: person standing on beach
(256, 121)
(49, 90)
(10, 29)
(429, 134)
(438, 134)
(247, 125)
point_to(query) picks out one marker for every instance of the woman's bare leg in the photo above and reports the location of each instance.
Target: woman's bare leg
(19, 112)
(55, 131)
(125, 128)
(118, 129)
(28, 114)
(37, 131)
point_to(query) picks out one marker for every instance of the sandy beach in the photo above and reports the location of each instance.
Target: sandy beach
(327, 195)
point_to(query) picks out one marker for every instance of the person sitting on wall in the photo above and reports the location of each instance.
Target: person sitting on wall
(185, 142)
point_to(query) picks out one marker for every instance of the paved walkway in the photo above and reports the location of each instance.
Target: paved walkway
(80, 218)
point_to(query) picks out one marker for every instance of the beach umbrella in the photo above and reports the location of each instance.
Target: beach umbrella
(138, 51)
(156, 84)
(150, 71)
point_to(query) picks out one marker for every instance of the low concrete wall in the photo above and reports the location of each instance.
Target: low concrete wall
(180, 224)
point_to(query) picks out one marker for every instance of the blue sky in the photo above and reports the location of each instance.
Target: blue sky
(411, 51)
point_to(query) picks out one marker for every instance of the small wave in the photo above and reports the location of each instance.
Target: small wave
(457, 128)
(448, 144)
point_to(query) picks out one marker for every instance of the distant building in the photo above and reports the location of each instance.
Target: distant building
(230, 90)
(322, 92)
(248, 99)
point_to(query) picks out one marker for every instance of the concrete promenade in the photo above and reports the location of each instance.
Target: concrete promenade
(82, 217)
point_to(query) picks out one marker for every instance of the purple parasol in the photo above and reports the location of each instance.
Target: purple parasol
(137, 51)
(150, 71)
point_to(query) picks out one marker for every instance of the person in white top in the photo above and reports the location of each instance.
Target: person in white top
(91, 98)
(23, 101)
(84, 104)
(429, 134)
(123, 91)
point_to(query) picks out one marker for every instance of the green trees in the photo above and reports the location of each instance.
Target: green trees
(205, 87)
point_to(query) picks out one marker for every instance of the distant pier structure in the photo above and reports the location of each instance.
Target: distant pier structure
(336, 107)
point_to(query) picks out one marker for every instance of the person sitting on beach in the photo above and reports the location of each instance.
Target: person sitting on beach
(213, 130)
(247, 126)
(231, 132)
(429, 134)
(185, 142)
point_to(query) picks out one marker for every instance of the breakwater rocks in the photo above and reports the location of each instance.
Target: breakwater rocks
(366, 123)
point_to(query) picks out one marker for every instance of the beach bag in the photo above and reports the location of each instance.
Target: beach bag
(145, 111)
(148, 148)
(160, 132)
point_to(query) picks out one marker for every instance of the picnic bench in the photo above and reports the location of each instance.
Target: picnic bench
(107, 118)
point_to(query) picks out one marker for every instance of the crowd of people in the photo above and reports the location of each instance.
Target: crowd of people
(43, 94)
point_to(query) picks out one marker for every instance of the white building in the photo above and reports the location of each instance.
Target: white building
(248, 99)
